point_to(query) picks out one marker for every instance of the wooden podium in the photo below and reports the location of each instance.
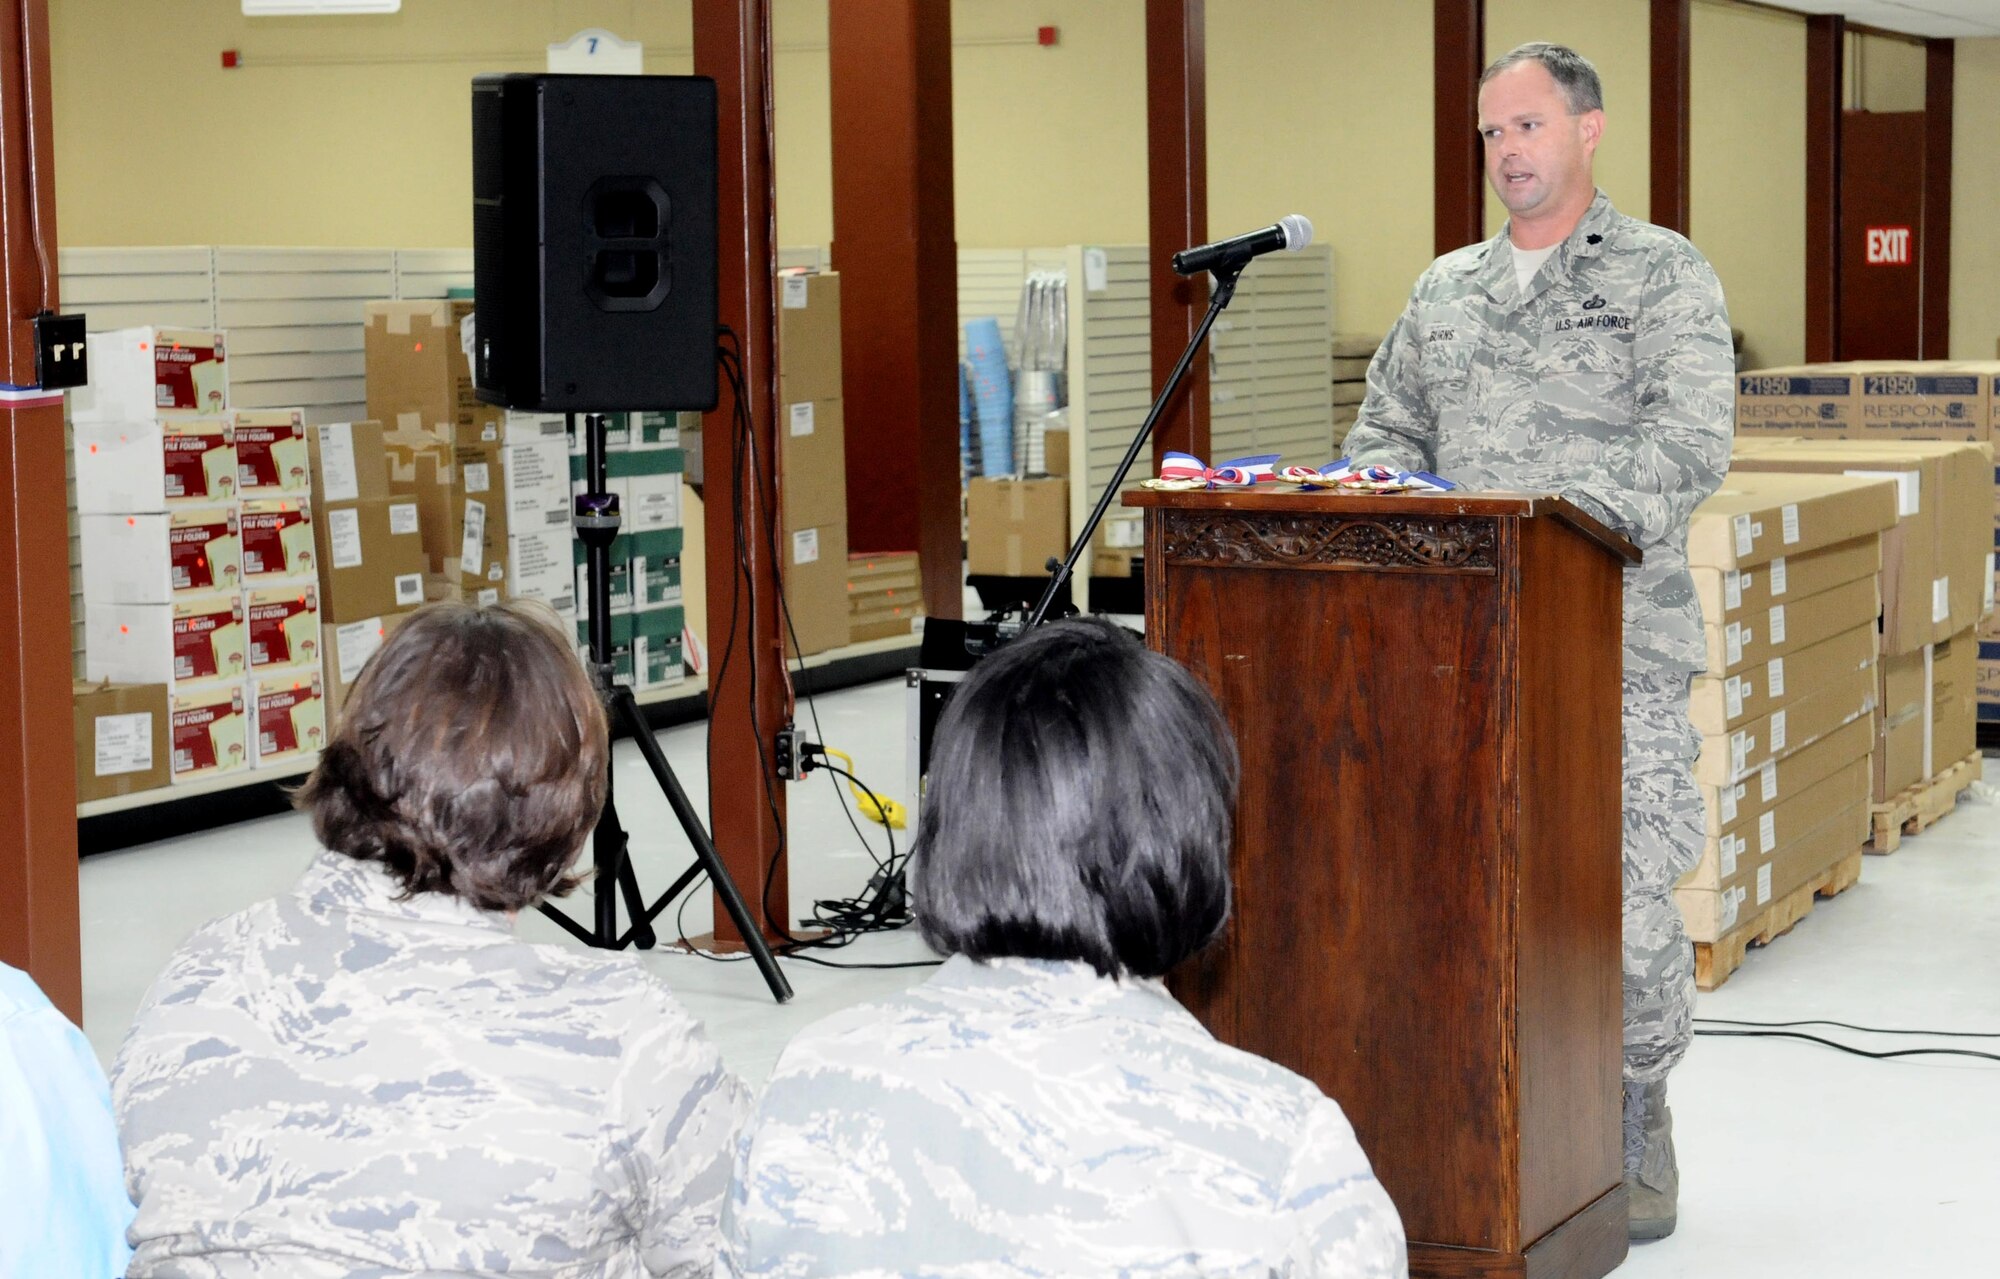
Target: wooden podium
(1425, 691)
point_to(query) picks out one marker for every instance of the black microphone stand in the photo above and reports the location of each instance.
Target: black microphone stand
(597, 521)
(1225, 276)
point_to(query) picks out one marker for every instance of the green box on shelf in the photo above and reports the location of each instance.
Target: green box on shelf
(656, 582)
(653, 431)
(657, 625)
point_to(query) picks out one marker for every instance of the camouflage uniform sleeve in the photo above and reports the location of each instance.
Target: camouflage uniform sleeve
(1685, 383)
(674, 1115)
(1395, 427)
(1348, 1227)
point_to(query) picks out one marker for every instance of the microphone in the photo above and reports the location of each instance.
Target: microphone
(1291, 234)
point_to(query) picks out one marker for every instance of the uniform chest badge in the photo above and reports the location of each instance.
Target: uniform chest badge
(1596, 303)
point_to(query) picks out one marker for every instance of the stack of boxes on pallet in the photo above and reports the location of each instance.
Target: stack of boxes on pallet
(644, 466)
(1887, 402)
(201, 591)
(1352, 353)
(1786, 569)
(884, 596)
(371, 550)
(812, 463)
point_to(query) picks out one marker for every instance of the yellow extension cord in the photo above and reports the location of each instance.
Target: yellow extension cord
(889, 813)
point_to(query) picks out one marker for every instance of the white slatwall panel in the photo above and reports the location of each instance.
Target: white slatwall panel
(1110, 371)
(431, 273)
(124, 288)
(1273, 364)
(294, 320)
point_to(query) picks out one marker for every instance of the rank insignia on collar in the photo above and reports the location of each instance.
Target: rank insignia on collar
(1596, 303)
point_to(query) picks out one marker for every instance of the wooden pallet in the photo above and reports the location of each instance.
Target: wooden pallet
(1715, 961)
(1916, 808)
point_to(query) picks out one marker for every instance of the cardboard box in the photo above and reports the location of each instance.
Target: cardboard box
(371, 558)
(1728, 595)
(135, 374)
(812, 464)
(418, 374)
(273, 457)
(1934, 560)
(121, 733)
(535, 476)
(1740, 805)
(1055, 450)
(196, 637)
(1724, 858)
(1711, 914)
(517, 427)
(1954, 675)
(1920, 400)
(885, 595)
(646, 648)
(645, 571)
(282, 626)
(1814, 401)
(1718, 704)
(210, 727)
(348, 646)
(1900, 724)
(277, 539)
(149, 558)
(808, 337)
(1756, 517)
(456, 477)
(1987, 678)
(125, 467)
(1792, 626)
(290, 716)
(814, 573)
(349, 461)
(1014, 526)
(1731, 757)
(540, 567)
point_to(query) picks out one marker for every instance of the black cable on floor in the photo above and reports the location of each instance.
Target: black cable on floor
(1848, 1048)
(1866, 1030)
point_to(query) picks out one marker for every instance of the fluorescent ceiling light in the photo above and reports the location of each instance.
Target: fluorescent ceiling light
(316, 8)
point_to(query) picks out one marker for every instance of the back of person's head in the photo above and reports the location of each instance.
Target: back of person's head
(469, 759)
(1078, 807)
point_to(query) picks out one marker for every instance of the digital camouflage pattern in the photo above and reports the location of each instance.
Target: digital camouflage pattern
(336, 1082)
(1610, 380)
(1023, 1118)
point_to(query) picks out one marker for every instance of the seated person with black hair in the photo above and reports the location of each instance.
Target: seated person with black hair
(372, 1075)
(1042, 1106)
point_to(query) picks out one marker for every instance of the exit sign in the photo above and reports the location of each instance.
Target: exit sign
(1888, 246)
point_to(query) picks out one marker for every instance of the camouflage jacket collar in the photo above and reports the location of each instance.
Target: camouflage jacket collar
(336, 881)
(1493, 268)
(1057, 984)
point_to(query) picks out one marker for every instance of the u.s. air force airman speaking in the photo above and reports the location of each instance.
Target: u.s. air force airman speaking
(1587, 353)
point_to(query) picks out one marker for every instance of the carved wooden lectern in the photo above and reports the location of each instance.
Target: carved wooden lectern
(1425, 691)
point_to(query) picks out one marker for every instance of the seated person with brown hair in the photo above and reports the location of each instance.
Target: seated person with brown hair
(371, 1074)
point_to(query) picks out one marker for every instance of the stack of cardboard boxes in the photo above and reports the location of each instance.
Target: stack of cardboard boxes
(1786, 570)
(812, 462)
(199, 567)
(1889, 403)
(644, 466)
(885, 596)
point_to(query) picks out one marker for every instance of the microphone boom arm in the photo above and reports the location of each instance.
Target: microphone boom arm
(1225, 276)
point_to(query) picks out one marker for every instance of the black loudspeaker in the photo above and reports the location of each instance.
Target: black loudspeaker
(594, 253)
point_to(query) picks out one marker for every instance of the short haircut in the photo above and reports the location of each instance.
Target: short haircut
(469, 759)
(1078, 807)
(1571, 71)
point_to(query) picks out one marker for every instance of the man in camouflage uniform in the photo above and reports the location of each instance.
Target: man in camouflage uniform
(1586, 353)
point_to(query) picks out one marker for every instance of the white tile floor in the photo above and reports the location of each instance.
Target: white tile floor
(1796, 1160)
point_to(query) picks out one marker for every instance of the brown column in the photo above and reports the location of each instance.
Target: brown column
(897, 251)
(1671, 23)
(746, 801)
(1826, 41)
(1458, 56)
(1936, 337)
(1177, 208)
(38, 906)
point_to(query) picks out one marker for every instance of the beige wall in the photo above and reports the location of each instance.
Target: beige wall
(1975, 195)
(1748, 170)
(1613, 35)
(1884, 73)
(1325, 109)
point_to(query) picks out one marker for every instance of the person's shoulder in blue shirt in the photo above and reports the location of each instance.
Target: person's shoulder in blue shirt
(65, 1210)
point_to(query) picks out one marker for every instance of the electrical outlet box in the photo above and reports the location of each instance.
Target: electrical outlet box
(61, 355)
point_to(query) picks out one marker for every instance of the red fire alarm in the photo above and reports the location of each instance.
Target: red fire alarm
(229, 61)
(1045, 36)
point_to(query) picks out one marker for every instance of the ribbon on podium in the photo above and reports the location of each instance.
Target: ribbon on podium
(1340, 476)
(1184, 471)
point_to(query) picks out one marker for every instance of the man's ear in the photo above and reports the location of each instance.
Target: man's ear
(1592, 125)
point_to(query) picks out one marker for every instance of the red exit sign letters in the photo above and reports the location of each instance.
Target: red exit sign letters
(1888, 246)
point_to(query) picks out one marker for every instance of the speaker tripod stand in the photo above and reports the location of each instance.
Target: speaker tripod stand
(597, 521)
